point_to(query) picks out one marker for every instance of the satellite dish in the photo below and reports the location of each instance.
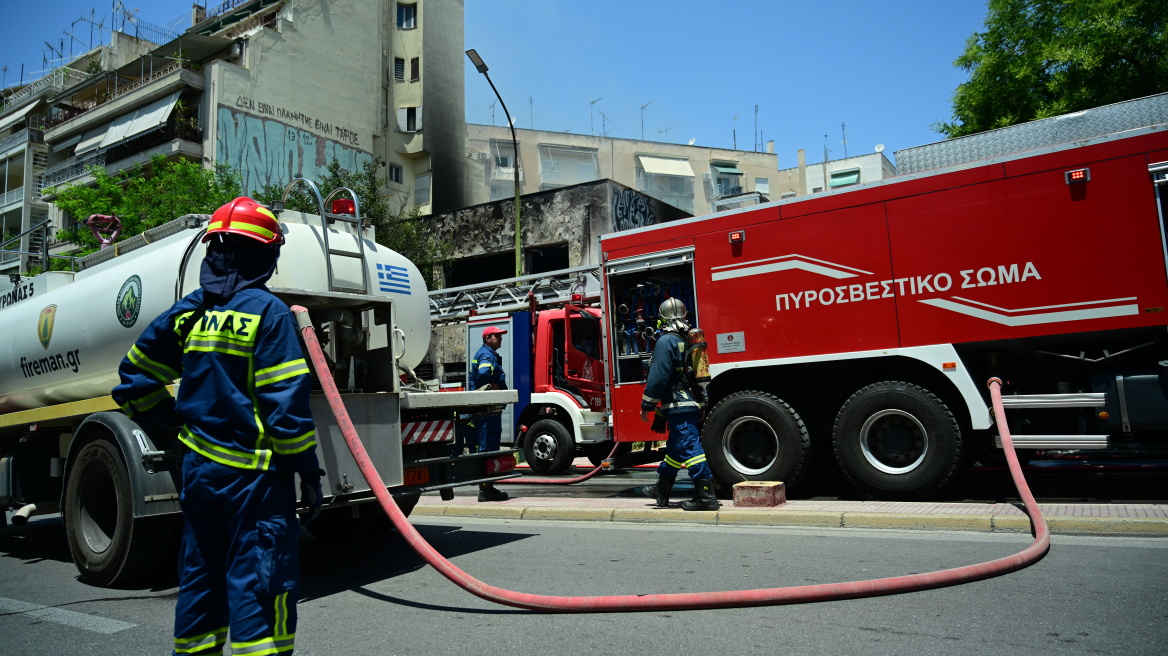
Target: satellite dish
(879, 148)
(692, 140)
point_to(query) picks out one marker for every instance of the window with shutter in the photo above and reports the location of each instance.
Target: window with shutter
(415, 69)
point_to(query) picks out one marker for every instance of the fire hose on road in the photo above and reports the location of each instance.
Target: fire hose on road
(561, 481)
(681, 601)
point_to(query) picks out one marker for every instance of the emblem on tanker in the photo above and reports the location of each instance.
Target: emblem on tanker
(129, 301)
(45, 325)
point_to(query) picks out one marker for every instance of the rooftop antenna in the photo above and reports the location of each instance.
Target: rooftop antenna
(591, 125)
(692, 140)
(643, 119)
(493, 113)
(665, 130)
(531, 110)
(844, 129)
(735, 133)
(603, 122)
(756, 128)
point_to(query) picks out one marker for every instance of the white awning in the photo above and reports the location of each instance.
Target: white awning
(137, 122)
(11, 119)
(91, 140)
(665, 166)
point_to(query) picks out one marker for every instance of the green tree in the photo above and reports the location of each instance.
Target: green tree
(1042, 58)
(143, 201)
(397, 224)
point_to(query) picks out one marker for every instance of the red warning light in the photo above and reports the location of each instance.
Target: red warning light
(1076, 176)
(737, 236)
(344, 206)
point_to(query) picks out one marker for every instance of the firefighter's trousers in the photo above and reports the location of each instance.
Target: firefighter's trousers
(239, 569)
(683, 448)
(490, 432)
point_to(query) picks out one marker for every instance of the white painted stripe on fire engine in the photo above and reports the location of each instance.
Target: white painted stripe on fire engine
(786, 263)
(66, 617)
(1034, 319)
(1044, 307)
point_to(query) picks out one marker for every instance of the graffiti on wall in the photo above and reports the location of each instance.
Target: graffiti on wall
(631, 209)
(266, 151)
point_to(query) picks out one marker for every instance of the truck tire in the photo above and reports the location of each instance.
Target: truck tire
(755, 436)
(110, 547)
(548, 447)
(897, 441)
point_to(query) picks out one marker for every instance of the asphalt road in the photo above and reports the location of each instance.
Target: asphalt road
(1089, 595)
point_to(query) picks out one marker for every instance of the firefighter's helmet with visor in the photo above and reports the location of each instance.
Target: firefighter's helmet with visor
(246, 217)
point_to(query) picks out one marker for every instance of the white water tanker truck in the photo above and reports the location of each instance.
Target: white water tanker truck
(66, 447)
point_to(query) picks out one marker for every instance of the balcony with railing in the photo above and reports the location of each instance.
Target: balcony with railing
(727, 190)
(56, 81)
(118, 96)
(114, 157)
(23, 137)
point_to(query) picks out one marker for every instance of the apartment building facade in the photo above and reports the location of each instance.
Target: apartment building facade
(696, 179)
(274, 88)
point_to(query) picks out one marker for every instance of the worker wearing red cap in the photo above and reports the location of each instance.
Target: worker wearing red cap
(242, 414)
(486, 372)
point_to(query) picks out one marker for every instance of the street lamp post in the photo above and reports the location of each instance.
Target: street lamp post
(482, 68)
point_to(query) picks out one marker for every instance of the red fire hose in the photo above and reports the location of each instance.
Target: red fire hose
(682, 601)
(560, 481)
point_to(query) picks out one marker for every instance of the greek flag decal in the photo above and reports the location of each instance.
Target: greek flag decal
(393, 279)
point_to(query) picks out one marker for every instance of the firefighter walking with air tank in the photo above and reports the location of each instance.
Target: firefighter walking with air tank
(670, 400)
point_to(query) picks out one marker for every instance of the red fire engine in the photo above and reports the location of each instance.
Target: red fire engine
(865, 321)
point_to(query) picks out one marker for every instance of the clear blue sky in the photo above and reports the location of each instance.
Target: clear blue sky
(885, 69)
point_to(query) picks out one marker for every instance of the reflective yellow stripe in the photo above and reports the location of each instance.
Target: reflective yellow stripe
(695, 460)
(258, 459)
(673, 463)
(216, 638)
(281, 372)
(157, 370)
(150, 400)
(295, 444)
(264, 646)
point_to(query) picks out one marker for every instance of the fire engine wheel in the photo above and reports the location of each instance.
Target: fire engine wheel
(756, 436)
(548, 447)
(110, 547)
(897, 441)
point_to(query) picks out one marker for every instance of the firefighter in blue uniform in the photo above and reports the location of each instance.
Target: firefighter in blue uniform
(242, 412)
(665, 387)
(486, 372)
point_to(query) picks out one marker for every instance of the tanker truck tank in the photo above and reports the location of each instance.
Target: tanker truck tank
(62, 334)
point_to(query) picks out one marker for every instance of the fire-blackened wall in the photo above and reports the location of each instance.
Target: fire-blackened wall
(559, 228)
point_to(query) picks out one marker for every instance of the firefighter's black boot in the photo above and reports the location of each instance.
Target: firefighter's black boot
(488, 492)
(704, 498)
(660, 491)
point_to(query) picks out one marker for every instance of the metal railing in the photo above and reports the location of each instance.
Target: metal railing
(118, 92)
(14, 196)
(59, 78)
(71, 169)
(23, 136)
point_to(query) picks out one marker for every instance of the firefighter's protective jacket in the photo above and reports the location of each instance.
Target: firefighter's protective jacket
(249, 408)
(665, 382)
(487, 367)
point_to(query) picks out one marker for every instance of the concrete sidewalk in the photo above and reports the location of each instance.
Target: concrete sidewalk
(1063, 518)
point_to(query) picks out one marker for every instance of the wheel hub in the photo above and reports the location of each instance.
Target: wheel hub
(894, 441)
(543, 447)
(751, 445)
(98, 515)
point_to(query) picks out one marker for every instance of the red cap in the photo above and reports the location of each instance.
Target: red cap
(493, 330)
